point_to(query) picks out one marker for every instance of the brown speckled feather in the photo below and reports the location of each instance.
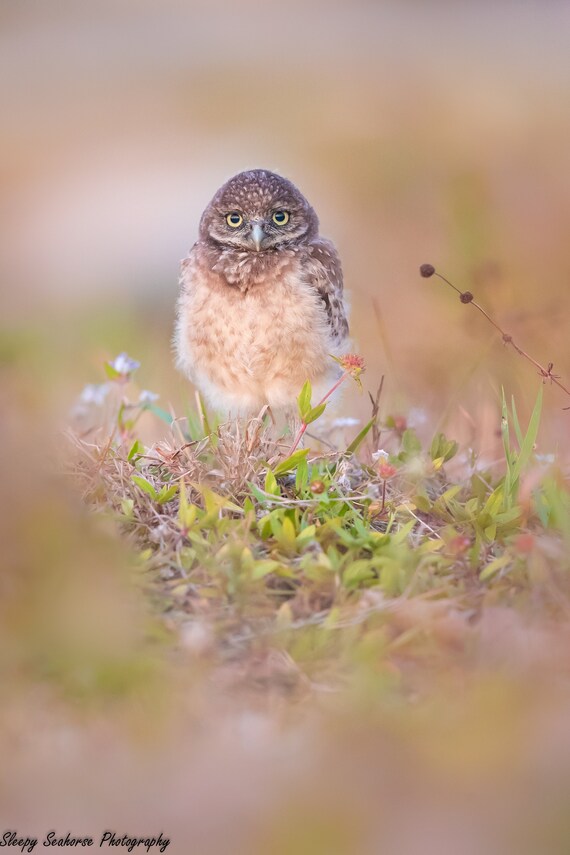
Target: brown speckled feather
(255, 320)
(326, 276)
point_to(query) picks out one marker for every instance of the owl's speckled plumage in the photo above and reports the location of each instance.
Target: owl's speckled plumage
(261, 304)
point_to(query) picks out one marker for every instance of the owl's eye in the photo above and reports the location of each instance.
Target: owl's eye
(280, 218)
(234, 220)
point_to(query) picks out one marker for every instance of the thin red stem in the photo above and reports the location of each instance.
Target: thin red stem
(304, 425)
(382, 509)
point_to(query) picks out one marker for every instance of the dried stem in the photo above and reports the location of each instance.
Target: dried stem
(375, 410)
(428, 270)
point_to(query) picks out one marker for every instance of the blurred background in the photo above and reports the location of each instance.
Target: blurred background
(421, 132)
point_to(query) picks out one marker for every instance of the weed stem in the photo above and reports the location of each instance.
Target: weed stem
(304, 425)
(428, 270)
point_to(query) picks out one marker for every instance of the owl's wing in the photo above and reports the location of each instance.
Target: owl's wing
(326, 277)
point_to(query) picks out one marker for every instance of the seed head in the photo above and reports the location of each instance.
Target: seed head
(524, 543)
(386, 470)
(352, 364)
(400, 424)
(427, 270)
(459, 544)
(466, 297)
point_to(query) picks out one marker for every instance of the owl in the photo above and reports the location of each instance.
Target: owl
(261, 305)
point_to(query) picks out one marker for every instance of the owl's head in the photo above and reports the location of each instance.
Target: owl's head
(256, 211)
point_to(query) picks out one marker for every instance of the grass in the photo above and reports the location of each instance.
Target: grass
(333, 638)
(240, 530)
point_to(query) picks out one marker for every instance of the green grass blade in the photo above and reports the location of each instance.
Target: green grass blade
(359, 439)
(162, 414)
(516, 423)
(529, 440)
(507, 447)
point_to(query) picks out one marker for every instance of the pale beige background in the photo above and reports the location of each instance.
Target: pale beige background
(434, 131)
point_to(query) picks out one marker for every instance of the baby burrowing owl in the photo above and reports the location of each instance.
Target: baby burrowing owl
(261, 305)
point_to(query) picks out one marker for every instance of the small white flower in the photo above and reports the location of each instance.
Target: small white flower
(94, 394)
(345, 422)
(380, 455)
(544, 458)
(124, 364)
(147, 397)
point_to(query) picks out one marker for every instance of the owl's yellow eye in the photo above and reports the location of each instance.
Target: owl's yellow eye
(234, 220)
(280, 218)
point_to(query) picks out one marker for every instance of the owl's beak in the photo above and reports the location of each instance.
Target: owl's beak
(257, 235)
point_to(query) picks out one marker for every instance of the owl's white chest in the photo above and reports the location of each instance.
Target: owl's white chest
(244, 350)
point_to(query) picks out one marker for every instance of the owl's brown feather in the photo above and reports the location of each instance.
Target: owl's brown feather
(254, 325)
(328, 282)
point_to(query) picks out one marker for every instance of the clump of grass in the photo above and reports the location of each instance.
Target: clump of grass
(266, 538)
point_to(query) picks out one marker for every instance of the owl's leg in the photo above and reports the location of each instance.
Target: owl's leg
(256, 426)
(294, 425)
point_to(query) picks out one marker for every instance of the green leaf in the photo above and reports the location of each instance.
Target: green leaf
(507, 517)
(450, 449)
(506, 446)
(358, 572)
(271, 485)
(162, 414)
(516, 422)
(145, 485)
(127, 506)
(304, 400)
(263, 568)
(291, 462)
(434, 449)
(214, 502)
(302, 477)
(136, 449)
(314, 413)
(410, 442)
(442, 503)
(494, 502)
(403, 532)
(359, 438)
(494, 566)
(393, 577)
(111, 372)
(429, 546)
(285, 534)
(186, 512)
(530, 438)
(306, 535)
(167, 493)
(422, 503)
(257, 494)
